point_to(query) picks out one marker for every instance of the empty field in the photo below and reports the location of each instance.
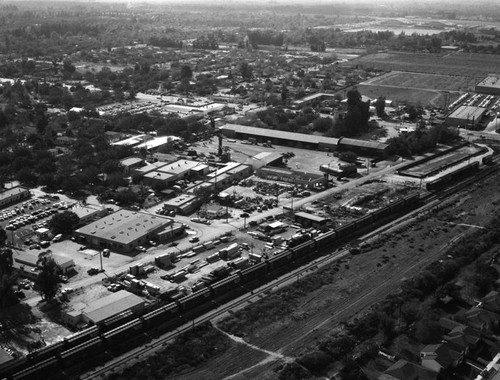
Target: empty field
(399, 95)
(474, 66)
(421, 81)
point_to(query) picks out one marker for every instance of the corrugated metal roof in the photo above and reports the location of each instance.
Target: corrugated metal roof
(112, 305)
(273, 133)
(363, 143)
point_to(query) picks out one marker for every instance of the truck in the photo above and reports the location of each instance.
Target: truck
(229, 252)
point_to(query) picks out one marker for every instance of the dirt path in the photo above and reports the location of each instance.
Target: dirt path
(272, 356)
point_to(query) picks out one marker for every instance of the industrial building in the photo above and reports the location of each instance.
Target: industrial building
(122, 230)
(277, 137)
(489, 85)
(265, 159)
(13, 195)
(363, 147)
(466, 116)
(295, 177)
(183, 204)
(301, 140)
(86, 214)
(104, 309)
(309, 220)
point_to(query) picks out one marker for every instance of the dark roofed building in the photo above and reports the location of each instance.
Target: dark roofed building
(370, 148)
(404, 370)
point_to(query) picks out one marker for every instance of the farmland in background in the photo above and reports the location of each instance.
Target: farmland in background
(474, 66)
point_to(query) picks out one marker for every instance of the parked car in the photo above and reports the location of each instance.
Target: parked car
(194, 239)
(93, 271)
(140, 248)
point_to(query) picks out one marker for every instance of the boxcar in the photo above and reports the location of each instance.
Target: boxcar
(194, 300)
(122, 333)
(81, 352)
(326, 240)
(345, 230)
(39, 370)
(254, 272)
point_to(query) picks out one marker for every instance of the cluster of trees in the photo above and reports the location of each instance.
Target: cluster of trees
(286, 120)
(421, 140)
(204, 42)
(265, 37)
(165, 42)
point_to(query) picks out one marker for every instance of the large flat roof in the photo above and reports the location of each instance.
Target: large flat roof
(363, 143)
(111, 305)
(180, 200)
(273, 133)
(158, 175)
(124, 226)
(13, 191)
(467, 113)
(491, 80)
(180, 166)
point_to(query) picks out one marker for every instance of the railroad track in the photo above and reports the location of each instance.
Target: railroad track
(324, 258)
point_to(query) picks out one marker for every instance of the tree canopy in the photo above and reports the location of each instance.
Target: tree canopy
(64, 222)
(47, 282)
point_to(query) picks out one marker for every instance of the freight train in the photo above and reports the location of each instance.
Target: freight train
(449, 178)
(96, 340)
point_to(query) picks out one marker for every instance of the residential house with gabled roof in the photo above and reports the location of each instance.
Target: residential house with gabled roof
(404, 370)
(438, 357)
(491, 301)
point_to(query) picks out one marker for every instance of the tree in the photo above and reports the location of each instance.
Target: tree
(47, 282)
(7, 278)
(246, 71)
(64, 222)
(3, 237)
(380, 106)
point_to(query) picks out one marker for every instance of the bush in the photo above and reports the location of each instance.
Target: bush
(315, 361)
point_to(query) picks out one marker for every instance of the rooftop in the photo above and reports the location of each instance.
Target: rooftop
(180, 166)
(111, 305)
(12, 191)
(272, 133)
(467, 113)
(124, 226)
(491, 80)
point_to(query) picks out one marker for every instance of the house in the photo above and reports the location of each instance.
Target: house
(479, 318)
(438, 357)
(404, 370)
(491, 301)
(215, 211)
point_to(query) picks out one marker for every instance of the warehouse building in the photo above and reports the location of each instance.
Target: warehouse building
(299, 140)
(104, 309)
(466, 116)
(489, 85)
(307, 220)
(183, 204)
(123, 230)
(363, 147)
(295, 177)
(265, 159)
(86, 214)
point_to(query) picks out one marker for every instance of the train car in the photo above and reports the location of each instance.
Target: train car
(122, 333)
(161, 316)
(487, 160)
(441, 182)
(229, 288)
(397, 205)
(116, 321)
(80, 337)
(281, 260)
(194, 300)
(412, 199)
(47, 351)
(81, 352)
(381, 213)
(226, 285)
(12, 366)
(38, 371)
(364, 221)
(325, 240)
(255, 272)
(345, 230)
(303, 252)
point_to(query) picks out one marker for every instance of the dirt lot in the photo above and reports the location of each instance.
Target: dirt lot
(367, 278)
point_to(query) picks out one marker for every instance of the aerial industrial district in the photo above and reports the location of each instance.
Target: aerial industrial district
(238, 213)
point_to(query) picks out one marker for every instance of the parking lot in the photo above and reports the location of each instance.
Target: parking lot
(23, 219)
